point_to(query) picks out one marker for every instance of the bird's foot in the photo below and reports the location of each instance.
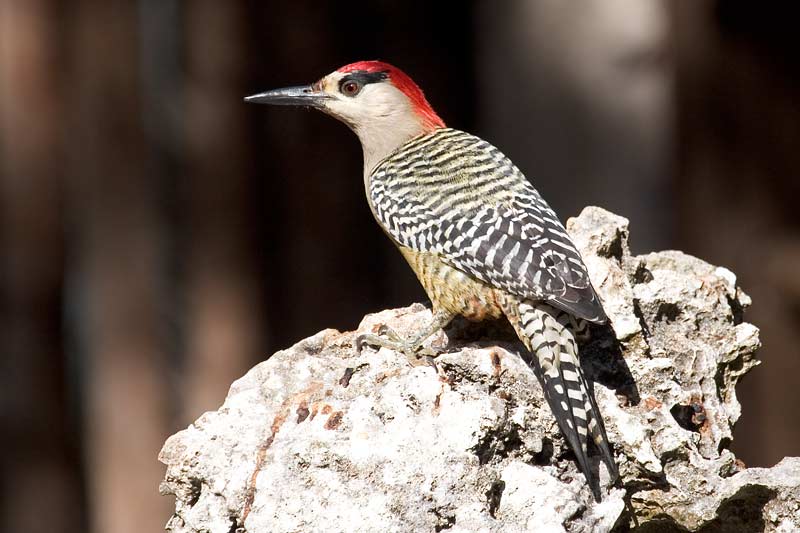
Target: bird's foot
(415, 353)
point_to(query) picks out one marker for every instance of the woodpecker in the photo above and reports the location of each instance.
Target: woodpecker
(479, 237)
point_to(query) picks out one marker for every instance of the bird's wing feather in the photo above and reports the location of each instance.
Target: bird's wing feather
(455, 195)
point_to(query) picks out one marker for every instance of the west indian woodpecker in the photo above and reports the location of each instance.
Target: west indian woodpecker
(481, 240)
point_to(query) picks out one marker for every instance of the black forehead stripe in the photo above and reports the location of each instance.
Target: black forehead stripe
(363, 77)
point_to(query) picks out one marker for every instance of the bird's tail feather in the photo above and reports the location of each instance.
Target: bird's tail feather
(547, 333)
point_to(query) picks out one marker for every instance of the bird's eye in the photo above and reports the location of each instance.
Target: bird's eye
(350, 88)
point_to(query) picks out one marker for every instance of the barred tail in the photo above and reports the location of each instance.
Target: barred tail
(547, 332)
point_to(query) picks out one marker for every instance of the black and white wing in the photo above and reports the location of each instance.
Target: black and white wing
(456, 195)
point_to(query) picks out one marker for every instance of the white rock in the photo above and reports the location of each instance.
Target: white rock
(320, 438)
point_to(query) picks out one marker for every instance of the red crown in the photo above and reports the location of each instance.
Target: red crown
(406, 85)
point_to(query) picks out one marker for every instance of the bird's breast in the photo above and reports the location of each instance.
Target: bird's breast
(453, 290)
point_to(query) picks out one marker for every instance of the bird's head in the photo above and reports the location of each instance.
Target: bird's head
(378, 101)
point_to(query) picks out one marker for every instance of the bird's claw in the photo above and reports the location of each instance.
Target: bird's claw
(364, 339)
(390, 334)
(388, 338)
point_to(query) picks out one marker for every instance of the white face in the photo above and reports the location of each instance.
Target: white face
(379, 113)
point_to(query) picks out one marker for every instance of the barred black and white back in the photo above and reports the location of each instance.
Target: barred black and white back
(455, 195)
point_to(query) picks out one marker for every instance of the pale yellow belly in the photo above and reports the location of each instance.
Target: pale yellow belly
(452, 290)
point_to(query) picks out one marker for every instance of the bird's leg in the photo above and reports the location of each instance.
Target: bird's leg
(388, 338)
(580, 327)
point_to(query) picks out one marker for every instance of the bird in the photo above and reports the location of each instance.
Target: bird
(480, 238)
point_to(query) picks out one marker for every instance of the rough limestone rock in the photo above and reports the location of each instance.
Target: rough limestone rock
(321, 438)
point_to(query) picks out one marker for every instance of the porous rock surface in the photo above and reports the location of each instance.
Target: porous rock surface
(322, 438)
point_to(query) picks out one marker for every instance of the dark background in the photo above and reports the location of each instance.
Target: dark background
(158, 237)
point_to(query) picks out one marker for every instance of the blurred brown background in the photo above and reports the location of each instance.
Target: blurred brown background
(158, 237)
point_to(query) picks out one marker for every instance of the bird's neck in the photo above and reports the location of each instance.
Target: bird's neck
(378, 141)
(379, 145)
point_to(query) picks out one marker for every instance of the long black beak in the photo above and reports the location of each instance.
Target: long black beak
(304, 95)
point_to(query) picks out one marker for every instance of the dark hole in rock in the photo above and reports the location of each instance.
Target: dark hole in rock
(494, 495)
(684, 416)
(668, 312)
